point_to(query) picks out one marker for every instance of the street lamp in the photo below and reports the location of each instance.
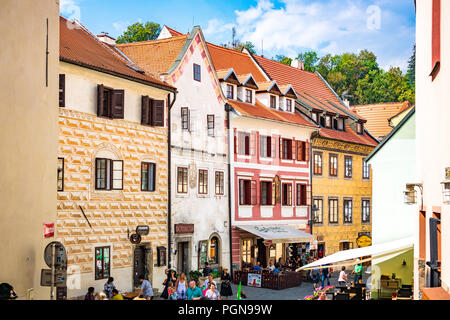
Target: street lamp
(446, 187)
(313, 218)
(410, 195)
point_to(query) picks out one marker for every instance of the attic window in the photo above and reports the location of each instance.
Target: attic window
(273, 102)
(314, 117)
(328, 122)
(230, 90)
(289, 105)
(248, 96)
(359, 128)
(197, 72)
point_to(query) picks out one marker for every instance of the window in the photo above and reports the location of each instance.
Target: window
(246, 250)
(185, 125)
(322, 121)
(273, 102)
(286, 149)
(289, 105)
(182, 180)
(302, 195)
(203, 181)
(340, 124)
(359, 128)
(110, 102)
(60, 175)
(108, 174)
(366, 169)
(244, 143)
(152, 112)
(266, 193)
(328, 122)
(248, 96)
(148, 174)
(318, 164)
(230, 91)
(365, 211)
(344, 245)
(348, 211)
(213, 250)
(348, 168)
(62, 90)
(220, 189)
(210, 120)
(314, 117)
(102, 262)
(333, 165)
(333, 211)
(318, 214)
(245, 192)
(197, 73)
(265, 146)
(287, 194)
(301, 150)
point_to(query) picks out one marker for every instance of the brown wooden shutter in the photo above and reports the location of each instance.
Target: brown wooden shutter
(306, 147)
(118, 104)
(145, 113)
(100, 106)
(293, 149)
(158, 113)
(62, 90)
(304, 196)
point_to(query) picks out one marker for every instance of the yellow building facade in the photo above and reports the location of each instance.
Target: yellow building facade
(343, 203)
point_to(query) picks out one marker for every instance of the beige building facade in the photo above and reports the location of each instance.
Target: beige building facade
(28, 133)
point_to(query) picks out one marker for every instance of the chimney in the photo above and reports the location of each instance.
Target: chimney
(298, 64)
(347, 103)
(104, 37)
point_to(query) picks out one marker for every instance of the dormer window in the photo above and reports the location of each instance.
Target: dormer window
(273, 102)
(328, 122)
(340, 124)
(248, 96)
(230, 91)
(322, 121)
(314, 117)
(359, 128)
(288, 105)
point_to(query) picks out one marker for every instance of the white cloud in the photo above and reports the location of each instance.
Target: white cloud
(70, 9)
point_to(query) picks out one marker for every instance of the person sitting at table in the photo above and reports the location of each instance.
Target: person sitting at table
(271, 267)
(257, 267)
(276, 270)
(116, 295)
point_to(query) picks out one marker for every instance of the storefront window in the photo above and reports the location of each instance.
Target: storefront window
(247, 251)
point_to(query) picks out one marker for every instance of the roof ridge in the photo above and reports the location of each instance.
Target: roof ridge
(227, 49)
(151, 41)
(379, 104)
(286, 65)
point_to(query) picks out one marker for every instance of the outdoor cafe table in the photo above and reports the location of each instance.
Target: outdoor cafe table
(275, 281)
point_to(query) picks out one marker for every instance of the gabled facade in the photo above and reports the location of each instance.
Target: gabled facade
(341, 180)
(270, 172)
(198, 170)
(112, 165)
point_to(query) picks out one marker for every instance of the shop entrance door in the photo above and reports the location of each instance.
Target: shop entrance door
(140, 263)
(183, 257)
(262, 253)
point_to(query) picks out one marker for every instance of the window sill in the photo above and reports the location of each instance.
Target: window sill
(287, 161)
(246, 157)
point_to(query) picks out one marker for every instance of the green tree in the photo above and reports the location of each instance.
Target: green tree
(248, 45)
(140, 32)
(411, 74)
(283, 59)
(310, 60)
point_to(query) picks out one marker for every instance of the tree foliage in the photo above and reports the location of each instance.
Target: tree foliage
(140, 32)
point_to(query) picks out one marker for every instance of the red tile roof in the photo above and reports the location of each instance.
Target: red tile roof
(349, 136)
(173, 33)
(261, 111)
(79, 46)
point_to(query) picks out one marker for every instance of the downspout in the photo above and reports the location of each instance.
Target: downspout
(311, 187)
(169, 184)
(228, 109)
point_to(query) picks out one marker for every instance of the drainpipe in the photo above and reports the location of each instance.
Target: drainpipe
(228, 109)
(311, 218)
(169, 185)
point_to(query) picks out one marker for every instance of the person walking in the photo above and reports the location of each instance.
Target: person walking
(90, 294)
(225, 287)
(181, 287)
(342, 280)
(171, 277)
(358, 271)
(146, 288)
(108, 287)
(193, 292)
(325, 275)
(315, 274)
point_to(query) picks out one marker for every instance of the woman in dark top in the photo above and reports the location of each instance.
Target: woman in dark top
(225, 287)
(171, 278)
(90, 294)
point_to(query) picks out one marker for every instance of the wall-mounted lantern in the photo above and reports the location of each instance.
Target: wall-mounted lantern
(446, 187)
(410, 195)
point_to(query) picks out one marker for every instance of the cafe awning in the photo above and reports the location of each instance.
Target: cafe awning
(279, 233)
(374, 252)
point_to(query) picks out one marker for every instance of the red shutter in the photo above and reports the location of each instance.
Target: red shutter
(246, 144)
(118, 104)
(62, 90)
(100, 91)
(436, 36)
(281, 148)
(254, 196)
(306, 151)
(303, 195)
(145, 113)
(248, 191)
(293, 150)
(269, 147)
(158, 113)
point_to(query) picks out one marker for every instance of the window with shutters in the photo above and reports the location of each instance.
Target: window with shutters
(318, 214)
(273, 102)
(365, 211)
(244, 143)
(333, 211)
(289, 105)
(62, 90)
(317, 166)
(302, 197)
(286, 150)
(230, 91)
(60, 174)
(348, 167)
(148, 176)
(220, 183)
(102, 263)
(182, 180)
(203, 181)
(197, 73)
(108, 174)
(366, 170)
(301, 150)
(266, 193)
(333, 171)
(348, 211)
(248, 96)
(265, 146)
(210, 120)
(245, 192)
(185, 125)
(110, 102)
(286, 194)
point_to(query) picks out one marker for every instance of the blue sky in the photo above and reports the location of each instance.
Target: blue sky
(288, 27)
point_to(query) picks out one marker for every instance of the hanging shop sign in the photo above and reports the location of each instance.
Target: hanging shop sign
(364, 241)
(135, 238)
(49, 230)
(142, 230)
